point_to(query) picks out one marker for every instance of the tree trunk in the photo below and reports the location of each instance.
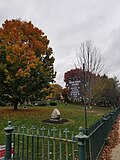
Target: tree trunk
(15, 103)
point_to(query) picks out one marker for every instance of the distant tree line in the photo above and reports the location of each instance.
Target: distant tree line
(105, 91)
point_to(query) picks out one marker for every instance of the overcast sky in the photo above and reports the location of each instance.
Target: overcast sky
(68, 23)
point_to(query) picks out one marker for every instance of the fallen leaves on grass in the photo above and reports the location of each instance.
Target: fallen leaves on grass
(113, 140)
(9, 113)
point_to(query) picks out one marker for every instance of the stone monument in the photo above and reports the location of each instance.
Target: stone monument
(56, 118)
(55, 114)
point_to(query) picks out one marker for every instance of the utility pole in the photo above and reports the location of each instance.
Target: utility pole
(85, 109)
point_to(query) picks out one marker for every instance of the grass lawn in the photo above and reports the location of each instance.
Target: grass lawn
(35, 116)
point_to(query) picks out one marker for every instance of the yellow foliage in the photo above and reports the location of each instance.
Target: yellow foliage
(8, 58)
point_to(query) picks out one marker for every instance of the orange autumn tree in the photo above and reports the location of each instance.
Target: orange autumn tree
(26, 61)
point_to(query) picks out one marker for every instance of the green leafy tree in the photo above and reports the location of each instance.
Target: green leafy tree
(106, 91)
(55, 92)
(26, 61)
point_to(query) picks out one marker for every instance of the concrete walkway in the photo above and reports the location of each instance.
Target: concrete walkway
(115, 154)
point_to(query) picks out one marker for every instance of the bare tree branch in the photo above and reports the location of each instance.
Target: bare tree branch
(90, 56)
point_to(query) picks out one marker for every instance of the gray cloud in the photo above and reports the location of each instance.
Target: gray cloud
(69, 22)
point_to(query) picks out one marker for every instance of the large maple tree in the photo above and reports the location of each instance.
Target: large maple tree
(26, 61)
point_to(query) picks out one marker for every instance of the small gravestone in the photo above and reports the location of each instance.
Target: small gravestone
(55, 114)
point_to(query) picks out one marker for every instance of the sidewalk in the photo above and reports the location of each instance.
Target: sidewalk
(115, 154)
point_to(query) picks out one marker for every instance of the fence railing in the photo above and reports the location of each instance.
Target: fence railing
(56, 144)
(98, 134)
(44, 144)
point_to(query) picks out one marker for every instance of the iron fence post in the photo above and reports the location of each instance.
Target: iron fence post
(8, 150)
(81, 138)
(105, 130)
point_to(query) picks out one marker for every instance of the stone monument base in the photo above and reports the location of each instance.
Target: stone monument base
(56, 121)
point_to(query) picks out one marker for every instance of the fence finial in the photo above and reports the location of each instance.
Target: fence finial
(81, 137)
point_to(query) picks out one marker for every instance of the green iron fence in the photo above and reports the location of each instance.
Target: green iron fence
(98, 135)
(43, 144)
(53, 144)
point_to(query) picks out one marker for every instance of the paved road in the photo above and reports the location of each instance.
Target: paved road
(115, 154)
